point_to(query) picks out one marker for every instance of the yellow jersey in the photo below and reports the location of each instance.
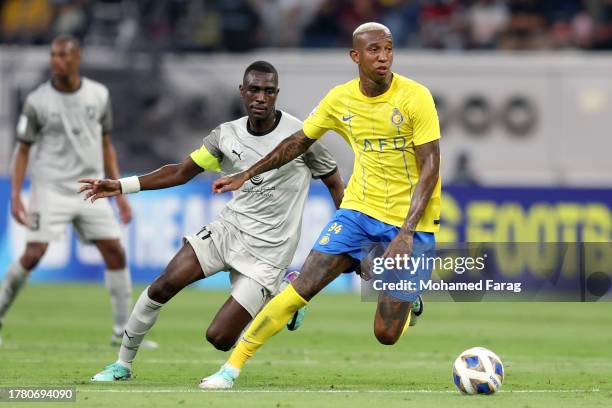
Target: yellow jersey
(383, 131)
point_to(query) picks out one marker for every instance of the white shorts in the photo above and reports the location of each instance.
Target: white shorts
(50, 211)
(253, 281)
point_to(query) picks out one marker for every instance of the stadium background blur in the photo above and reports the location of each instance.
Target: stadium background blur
(523, 90)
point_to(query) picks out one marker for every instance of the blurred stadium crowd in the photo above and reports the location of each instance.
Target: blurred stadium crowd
(242, 25)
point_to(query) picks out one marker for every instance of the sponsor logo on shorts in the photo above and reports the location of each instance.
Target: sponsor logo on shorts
(324, 240)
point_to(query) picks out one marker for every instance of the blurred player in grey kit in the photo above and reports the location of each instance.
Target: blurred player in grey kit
(64, 134)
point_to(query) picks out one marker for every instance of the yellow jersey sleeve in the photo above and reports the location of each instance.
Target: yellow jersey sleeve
(320, 120)
(424, 117)
(203, 158)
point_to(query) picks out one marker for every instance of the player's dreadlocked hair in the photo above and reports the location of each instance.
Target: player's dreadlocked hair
(261, 66)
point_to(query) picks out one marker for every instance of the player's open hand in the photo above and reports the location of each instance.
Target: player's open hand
(94, 188)
(228, 183)
(401, 245)
(18, 211)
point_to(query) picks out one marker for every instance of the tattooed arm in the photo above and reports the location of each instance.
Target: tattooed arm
(428, 160)
(287, 150)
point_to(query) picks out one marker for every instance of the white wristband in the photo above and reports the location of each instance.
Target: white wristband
(129, 185)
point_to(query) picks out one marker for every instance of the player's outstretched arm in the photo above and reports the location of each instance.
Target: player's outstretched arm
(428, 160)
(169, 175)
(287, 150)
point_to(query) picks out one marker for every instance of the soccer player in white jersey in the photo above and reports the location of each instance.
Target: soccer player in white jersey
(254, 237)
(68, 122)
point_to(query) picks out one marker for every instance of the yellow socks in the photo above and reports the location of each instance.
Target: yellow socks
(269, 321)
(407, 324)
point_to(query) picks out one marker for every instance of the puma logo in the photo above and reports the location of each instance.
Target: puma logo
(238, 154)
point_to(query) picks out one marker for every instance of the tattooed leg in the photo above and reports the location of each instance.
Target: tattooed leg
(318, 271)
(390, 318)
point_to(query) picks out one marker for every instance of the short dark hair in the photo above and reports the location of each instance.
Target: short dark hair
(261, 66)
(67, 38)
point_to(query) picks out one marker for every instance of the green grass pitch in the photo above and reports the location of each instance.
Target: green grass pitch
(555, 354)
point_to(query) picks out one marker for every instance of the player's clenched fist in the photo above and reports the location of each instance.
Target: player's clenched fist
(228, 183)
(94, 188)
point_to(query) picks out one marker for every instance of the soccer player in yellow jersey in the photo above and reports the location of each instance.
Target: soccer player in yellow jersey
(393, 195)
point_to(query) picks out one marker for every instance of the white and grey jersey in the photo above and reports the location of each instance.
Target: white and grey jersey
(267, 209)
(67, 130)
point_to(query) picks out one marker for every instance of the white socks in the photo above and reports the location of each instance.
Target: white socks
(119, 285)
(13, 282)
(141, 320)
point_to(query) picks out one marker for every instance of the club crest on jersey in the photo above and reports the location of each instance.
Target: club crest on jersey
(396, 117)
(91, 111)
(257, 180)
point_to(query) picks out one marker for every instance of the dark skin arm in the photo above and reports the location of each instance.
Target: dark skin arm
(18, 171)
(111, 168)
(287, 150)
(335, 185)
(169, 175)
(428, 160)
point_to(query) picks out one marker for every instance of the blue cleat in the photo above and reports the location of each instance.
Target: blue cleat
(221, 380)
(113, 372)
(296, 321)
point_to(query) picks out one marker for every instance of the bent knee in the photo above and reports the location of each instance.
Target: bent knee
(386, 337)
(219, 340)
(115, 256)
(32, 256)
(162, 290)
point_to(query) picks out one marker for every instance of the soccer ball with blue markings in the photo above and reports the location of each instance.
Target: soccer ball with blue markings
(478, 371)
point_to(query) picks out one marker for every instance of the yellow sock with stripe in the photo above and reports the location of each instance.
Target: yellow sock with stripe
(407, 324)
(269, 321)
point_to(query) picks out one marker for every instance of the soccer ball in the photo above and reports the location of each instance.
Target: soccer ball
(478, 371)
